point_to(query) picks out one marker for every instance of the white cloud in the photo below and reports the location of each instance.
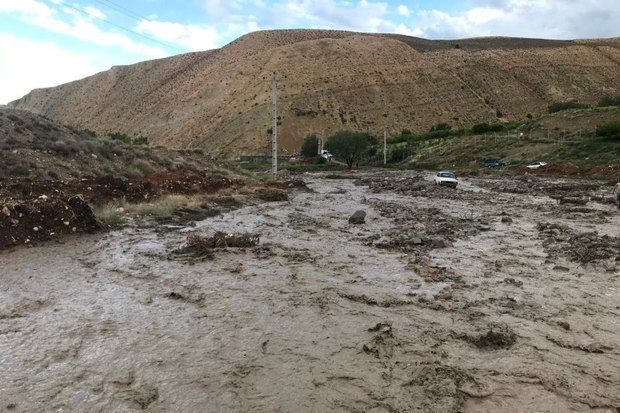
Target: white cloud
(44, 65)
(483, 15)
(190, 36)
(403, 10)
(362, 15)
(94, 12)
(555, 19)
(77, 25)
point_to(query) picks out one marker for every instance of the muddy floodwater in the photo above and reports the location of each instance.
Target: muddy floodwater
(494, 297)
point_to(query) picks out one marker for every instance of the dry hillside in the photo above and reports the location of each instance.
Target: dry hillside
(220, 100)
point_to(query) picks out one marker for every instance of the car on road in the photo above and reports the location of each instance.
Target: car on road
(446, 178)
(536, 165)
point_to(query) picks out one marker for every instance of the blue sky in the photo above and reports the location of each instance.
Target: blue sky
(48, 42)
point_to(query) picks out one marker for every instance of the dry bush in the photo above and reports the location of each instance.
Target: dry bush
(222, 240)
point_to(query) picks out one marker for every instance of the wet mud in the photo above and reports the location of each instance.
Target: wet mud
(468, 300)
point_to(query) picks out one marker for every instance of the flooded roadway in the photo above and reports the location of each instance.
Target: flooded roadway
(469, 312)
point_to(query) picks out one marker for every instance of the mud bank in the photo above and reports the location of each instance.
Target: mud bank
(445, 301)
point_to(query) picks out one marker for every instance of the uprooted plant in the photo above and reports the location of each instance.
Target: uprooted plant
(203, 246)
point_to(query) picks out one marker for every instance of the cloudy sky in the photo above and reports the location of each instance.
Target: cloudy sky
(49, 42)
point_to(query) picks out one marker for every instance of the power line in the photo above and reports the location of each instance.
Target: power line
(125, 29)
(123, 10)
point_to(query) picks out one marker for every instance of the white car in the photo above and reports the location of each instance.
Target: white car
(446, 178)
(327, 155)
(536, 165)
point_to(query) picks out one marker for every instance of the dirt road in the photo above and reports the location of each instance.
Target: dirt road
(489, 298)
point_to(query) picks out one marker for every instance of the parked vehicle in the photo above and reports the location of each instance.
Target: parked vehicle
(495, 162)
(327, 155)
(536, 165)
(446, 178)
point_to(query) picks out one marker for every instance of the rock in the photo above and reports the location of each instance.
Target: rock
(382, 242)
(84, 216)
(561, 268)
(484, 227)
(6, 211)
(564, 325)
(358, 217)
(445, 294)
(419, 226)
(417, 241)
(506, 220)
(439, 243)
(497, 337)
(513, 282)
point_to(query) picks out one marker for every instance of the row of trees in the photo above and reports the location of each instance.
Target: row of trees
(605, 101)
(351, 146)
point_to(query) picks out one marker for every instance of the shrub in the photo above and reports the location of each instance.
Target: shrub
(118, 136)
(440, 127)
(437, 134)
(400, 153)
(559, 106)
(110, 214)
(487, 127)
(18, 170)
(609, 101)
(310, 146)
(609, 129)
(143, 166)
(128, 140)
(161, 207)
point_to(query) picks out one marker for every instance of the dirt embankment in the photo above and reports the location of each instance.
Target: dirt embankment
(34, 210)
(491, 297)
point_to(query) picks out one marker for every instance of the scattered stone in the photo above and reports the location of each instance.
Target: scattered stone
(6, 211)
(439, 243)
(272, 195)
(564, 325)
(561, 268)
(513, 282)
(358, 217)
(383, 326)
(445, 294)
(497, 337)
(574, 201)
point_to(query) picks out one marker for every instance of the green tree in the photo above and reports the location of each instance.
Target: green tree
(609, 101)
(609, 129)
(560, 106)
(349, 145)
(310, 147)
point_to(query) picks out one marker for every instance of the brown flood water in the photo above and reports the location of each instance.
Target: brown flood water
(324, 315)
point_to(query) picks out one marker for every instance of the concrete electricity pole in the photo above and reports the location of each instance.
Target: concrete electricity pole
(384, 147)
(274, 136)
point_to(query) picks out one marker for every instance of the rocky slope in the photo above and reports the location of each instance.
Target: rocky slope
(220, 100)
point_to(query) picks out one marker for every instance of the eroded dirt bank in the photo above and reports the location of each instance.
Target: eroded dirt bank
(493, 297)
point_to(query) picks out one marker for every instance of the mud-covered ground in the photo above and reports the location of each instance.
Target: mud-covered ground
(493, 297)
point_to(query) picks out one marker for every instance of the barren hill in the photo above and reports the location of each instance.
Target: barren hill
(220, 100)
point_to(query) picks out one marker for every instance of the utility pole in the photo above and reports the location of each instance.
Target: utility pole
(274, 136)
(384, 147)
